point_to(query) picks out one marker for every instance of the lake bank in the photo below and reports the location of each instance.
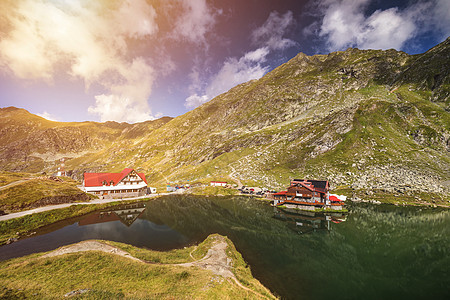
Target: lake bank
(22, 224)
(92, 202)
(31, 220)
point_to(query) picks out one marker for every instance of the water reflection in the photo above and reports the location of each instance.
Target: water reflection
(126, 214)
(122, 223)
(379, 252)
(308, 221)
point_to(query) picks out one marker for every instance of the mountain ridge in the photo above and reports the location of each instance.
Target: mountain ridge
(367, 120)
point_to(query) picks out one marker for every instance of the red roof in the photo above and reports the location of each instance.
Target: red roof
(281, 193)
(334, 199)
(309, 187)
(97, 179)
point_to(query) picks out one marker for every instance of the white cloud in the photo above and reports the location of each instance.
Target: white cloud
(234, 71)
(135, 82)
(83, 39)
(441, 17)
(272, 31)
(196, 20)
(118, 108)
(259, 55)
(196, 80)
(195, 100)
(47, 116)
(345, 23)
(387, 29)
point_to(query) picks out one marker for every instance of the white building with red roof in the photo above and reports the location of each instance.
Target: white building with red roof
(127, 183)
(218, 183)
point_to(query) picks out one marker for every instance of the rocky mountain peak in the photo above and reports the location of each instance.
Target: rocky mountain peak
(363, 119)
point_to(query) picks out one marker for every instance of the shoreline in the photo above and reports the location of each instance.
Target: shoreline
(153, 196)
(65, 205)
(23, 224)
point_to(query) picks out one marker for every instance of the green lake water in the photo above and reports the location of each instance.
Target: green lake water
(375, 252)
(378, 252)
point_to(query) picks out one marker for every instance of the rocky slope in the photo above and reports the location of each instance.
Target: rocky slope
(369, 121)
(31, 143)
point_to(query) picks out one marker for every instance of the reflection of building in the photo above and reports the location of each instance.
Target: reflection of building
(126, 214)
(307, 195)
(127, 183)
(306, 221)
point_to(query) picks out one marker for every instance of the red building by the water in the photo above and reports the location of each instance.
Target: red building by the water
(307, 194)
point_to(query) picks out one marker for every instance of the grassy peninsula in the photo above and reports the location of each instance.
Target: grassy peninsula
(131, 272)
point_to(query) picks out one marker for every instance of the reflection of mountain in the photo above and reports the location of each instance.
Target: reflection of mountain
(358, 257)
(307, 221)
(126, 214)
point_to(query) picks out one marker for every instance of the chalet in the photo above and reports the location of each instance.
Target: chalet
(219, 183)
(307, 195)
(127, 183)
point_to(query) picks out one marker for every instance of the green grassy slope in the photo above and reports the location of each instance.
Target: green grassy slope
(366, 120)
(357, 118)
(38, 191)
(33, 144)
(109, 276)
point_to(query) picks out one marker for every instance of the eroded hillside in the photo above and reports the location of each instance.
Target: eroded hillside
(366, 120)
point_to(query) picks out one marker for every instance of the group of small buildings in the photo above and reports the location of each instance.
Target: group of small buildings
(301, 194)
(177, 187)
(308, 195)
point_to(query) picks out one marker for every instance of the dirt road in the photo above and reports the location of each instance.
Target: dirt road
(13, 184)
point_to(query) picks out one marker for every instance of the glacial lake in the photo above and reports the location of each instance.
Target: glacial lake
(375, 252)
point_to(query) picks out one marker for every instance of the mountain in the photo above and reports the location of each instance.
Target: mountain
(374, 123)
(34, 144)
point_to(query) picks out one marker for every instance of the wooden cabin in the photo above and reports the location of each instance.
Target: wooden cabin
(306, 194)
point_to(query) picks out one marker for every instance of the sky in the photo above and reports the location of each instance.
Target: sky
(137, 60)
